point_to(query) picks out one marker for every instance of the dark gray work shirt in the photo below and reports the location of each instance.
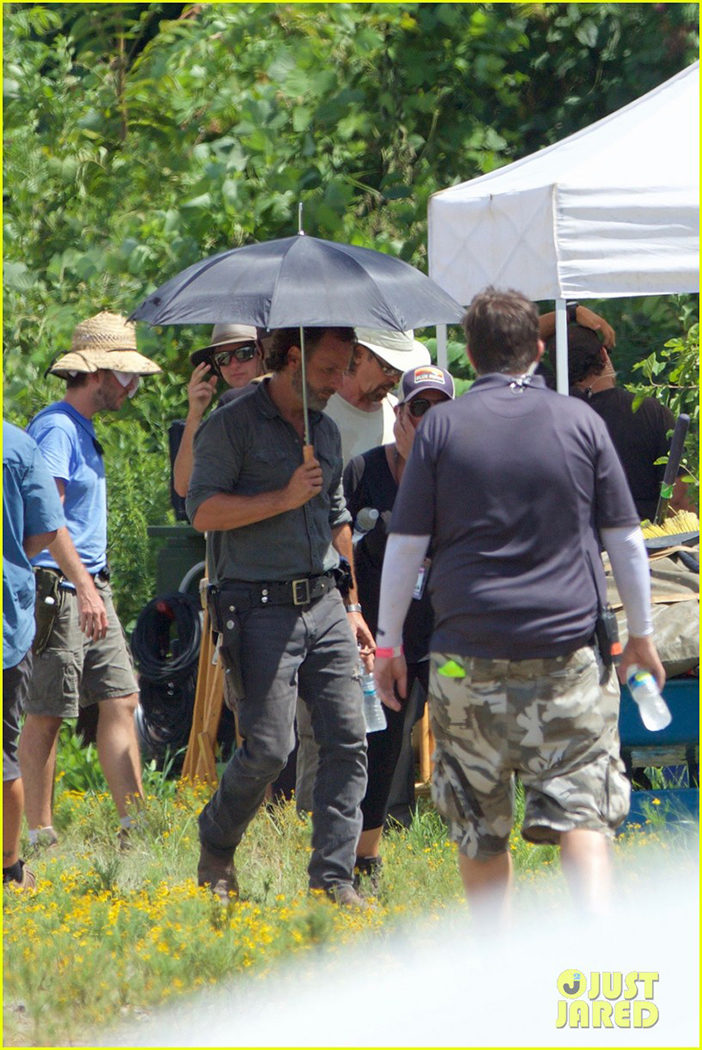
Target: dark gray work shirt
(512, 484)
(245, 448)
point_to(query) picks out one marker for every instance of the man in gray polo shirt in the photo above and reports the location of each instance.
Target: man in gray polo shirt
(277, 523)
(516, 485)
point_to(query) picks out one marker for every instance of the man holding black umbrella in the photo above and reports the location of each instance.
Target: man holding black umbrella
(277, 523)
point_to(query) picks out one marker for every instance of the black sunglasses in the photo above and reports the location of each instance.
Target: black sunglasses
(418, 406)
(242, 353)
(385, 368)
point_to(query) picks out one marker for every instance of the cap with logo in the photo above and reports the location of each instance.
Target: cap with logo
(426, 377)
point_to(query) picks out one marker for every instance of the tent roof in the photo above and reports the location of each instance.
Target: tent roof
(609, 211)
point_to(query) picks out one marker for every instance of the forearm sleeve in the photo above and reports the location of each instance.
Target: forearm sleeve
(403, 559)
(627, 555)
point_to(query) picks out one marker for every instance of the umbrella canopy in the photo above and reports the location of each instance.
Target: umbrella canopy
(301, 281)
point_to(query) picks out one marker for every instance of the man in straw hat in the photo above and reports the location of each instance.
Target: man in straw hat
(85, 659)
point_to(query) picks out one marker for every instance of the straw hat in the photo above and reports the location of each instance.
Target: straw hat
(221, 335)
(103, 341)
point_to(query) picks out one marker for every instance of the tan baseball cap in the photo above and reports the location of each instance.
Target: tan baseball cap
(223, 334)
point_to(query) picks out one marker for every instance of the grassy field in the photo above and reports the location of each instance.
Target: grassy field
(107, 936)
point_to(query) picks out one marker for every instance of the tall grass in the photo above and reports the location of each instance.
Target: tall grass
(109, 935)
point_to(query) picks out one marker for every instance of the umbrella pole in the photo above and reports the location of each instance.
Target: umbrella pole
(308, 451)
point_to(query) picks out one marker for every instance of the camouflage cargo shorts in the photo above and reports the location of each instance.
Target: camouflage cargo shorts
(551, 721)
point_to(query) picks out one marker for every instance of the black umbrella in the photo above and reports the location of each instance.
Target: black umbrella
(300, 281)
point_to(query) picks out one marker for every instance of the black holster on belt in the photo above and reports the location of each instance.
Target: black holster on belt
(607, 636)
(226, 624)
(46, 606)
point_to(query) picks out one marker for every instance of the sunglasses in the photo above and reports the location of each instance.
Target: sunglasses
(419, 406)
(127, 380)
(385, 368)
(245, 352)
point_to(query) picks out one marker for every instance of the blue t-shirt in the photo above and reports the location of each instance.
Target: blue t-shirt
(68, 444)
(30, 506)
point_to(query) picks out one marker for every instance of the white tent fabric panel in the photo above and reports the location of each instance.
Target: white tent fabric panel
(610, 211)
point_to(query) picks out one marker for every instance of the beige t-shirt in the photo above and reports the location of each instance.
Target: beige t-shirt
(362, 430)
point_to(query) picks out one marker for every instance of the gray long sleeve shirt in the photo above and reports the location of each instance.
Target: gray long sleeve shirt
(245, 448)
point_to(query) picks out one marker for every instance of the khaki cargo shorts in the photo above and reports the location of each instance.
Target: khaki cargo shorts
(73, 671)
(550, 721)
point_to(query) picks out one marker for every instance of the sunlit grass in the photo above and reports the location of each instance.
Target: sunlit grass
(108, 935)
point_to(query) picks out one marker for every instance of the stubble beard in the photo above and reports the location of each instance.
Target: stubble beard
(316, 401)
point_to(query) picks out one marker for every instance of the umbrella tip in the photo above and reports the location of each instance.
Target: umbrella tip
(299, 219)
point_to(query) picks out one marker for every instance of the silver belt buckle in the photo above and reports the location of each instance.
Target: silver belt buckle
(301, 587)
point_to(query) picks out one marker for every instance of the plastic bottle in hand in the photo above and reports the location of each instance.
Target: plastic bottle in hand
(644, 690)
(373, 711)
(365, 521)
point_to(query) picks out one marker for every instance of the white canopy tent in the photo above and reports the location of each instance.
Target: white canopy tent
(612, 210)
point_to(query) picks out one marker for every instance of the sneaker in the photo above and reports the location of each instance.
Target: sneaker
(343, 894)
(27, 882)
(219, 874)
(370, 868)
(46, 839)
(124, 840)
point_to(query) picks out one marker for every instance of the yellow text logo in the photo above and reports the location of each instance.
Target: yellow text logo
(606, 999)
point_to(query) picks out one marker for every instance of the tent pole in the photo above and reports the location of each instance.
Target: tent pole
(441, 347)
(561, 347)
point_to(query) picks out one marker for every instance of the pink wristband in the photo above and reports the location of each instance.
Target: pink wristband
(388, 654)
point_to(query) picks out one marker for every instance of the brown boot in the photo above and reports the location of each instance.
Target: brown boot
(218, 873)
(343, 894)
(370, 870)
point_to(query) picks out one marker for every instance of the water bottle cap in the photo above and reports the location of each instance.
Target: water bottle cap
(637, 674)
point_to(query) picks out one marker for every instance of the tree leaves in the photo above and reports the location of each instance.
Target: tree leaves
(140, 137)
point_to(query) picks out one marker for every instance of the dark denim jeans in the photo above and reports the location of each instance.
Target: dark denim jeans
(285, 650)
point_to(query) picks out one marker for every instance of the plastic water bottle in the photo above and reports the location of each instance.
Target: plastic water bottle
(372, 706)
(653, 709)
(365, 521)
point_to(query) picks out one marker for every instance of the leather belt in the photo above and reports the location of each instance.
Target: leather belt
(102, 574)
(302, 591)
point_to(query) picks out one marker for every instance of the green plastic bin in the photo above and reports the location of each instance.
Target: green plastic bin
(180, 562)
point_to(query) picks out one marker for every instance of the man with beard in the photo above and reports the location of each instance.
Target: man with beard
(364, 409)
(277, 523)
(84, 660)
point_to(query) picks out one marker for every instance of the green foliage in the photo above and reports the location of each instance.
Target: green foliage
(672, 375)
(457, 362)
(77, 766)
(78, 770)
(141, 137)
(137, 468)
